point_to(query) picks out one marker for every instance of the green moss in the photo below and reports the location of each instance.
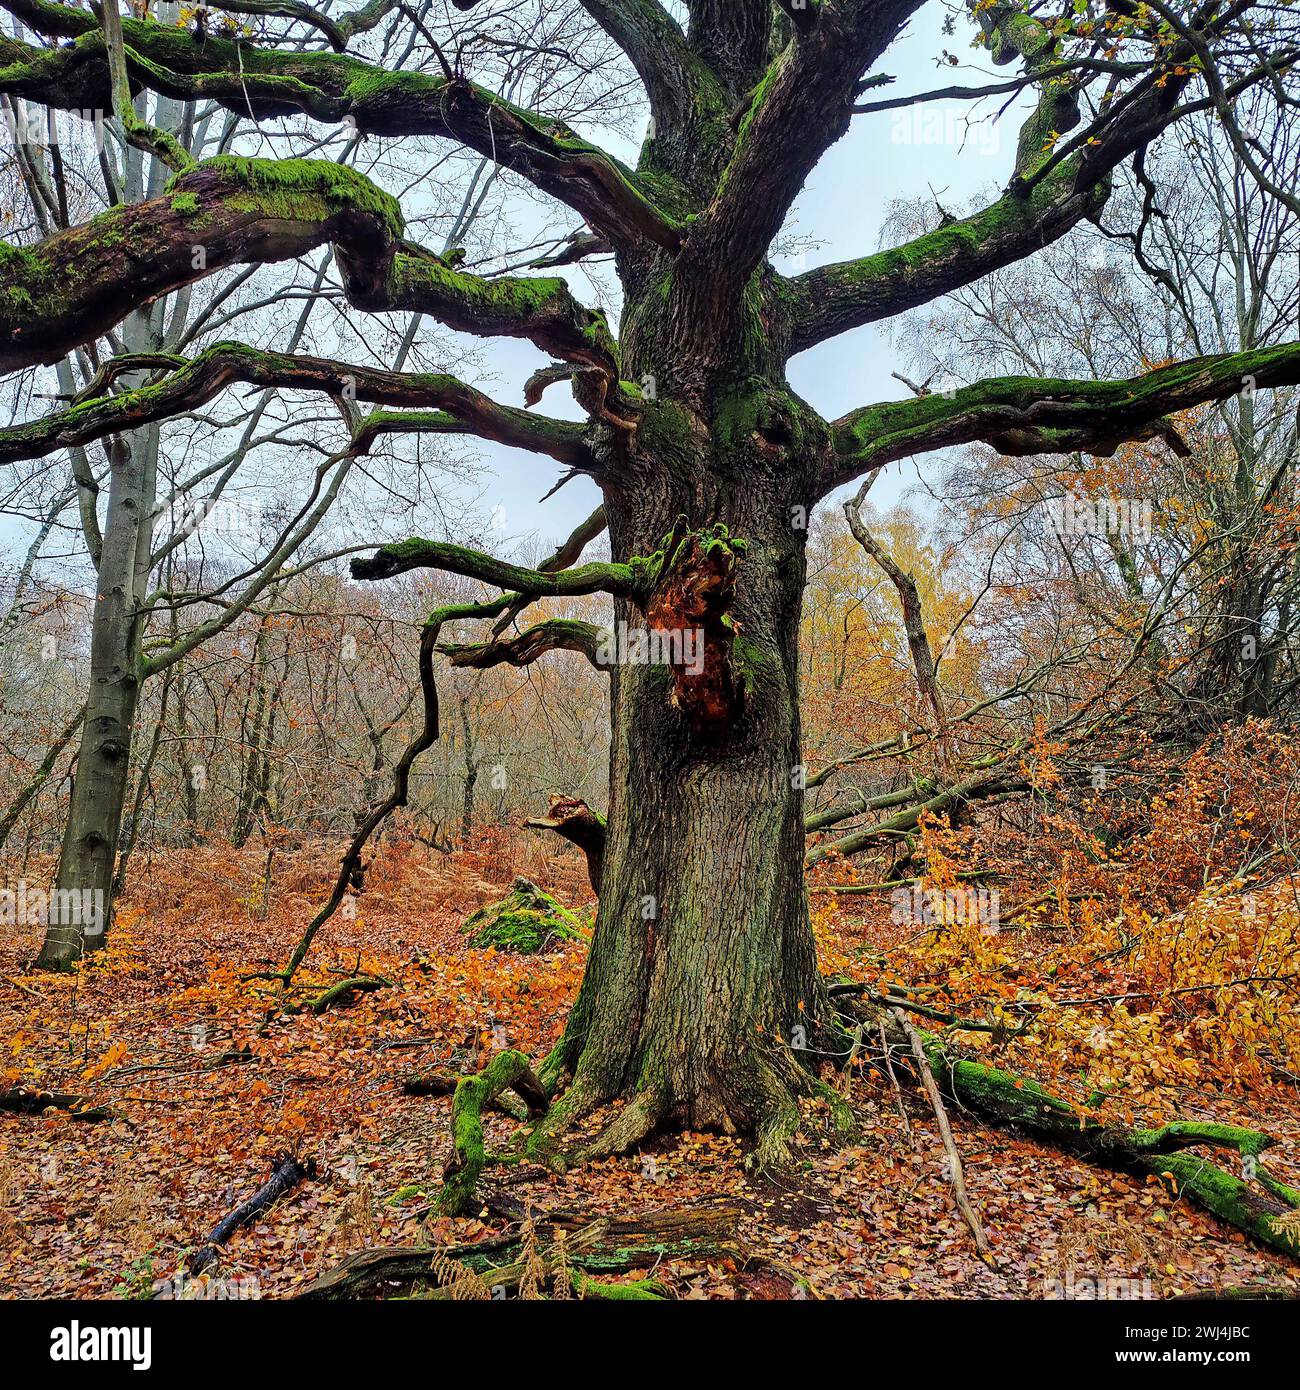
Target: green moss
(372, 85)
(523, 922)
(187, 204)
(306, 190)
(23, 275)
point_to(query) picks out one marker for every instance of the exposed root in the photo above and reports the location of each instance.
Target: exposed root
(772, 1143)
(844, 1122)
(557, 1063)
(544, 1144)
(506, 1071)
(637, 1120)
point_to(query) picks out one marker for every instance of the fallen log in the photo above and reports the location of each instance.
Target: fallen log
(703, 1231)
(286, 1173)
(23, 1100)
(344, 990)
(506, 1071)
(1253, 1202)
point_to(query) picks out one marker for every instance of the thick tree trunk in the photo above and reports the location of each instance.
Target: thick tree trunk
(701, 1003)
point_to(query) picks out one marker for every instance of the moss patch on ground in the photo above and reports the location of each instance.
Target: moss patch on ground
(523, 921)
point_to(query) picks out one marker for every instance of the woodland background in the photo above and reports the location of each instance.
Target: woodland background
(1128, 702)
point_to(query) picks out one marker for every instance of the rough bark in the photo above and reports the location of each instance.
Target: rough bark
(701, 1004)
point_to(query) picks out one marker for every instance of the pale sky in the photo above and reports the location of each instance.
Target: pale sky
(842, 207)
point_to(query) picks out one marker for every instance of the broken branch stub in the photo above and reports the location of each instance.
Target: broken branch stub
(572, 818)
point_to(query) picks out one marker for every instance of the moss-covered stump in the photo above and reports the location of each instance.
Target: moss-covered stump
(524, 921)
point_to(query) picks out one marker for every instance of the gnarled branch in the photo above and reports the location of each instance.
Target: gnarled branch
(1027, 415)
(252, 80)
(196, 381)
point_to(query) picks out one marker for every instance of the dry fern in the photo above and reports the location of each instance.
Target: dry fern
(561, 1281)
(460, 1284)
(533, 1279)
(1288, 1225)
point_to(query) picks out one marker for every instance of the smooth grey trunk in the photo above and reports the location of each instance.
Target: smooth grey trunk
(90, 838)
(87, 860)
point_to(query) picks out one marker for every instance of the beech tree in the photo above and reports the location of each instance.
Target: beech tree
(702, 1004)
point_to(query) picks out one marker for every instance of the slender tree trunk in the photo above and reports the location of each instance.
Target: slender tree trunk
(471, 774)
(94, 824)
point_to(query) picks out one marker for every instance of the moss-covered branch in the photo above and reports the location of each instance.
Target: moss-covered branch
(801, 105)
(627, 580)
(74, 285)
(506, 1071)
(194, 382)
(1046, 197)
(1032, 415)
(250, 79)
(555, 634)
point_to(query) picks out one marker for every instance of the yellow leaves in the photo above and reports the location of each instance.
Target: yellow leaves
(106, 1063)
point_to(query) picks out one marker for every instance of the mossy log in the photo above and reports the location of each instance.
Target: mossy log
(506, 1071)
(346, 990)
(702, 1231)
(638, 1290)
(1251, 1200)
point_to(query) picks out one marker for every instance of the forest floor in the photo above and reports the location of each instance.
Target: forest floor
(111, 1208)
